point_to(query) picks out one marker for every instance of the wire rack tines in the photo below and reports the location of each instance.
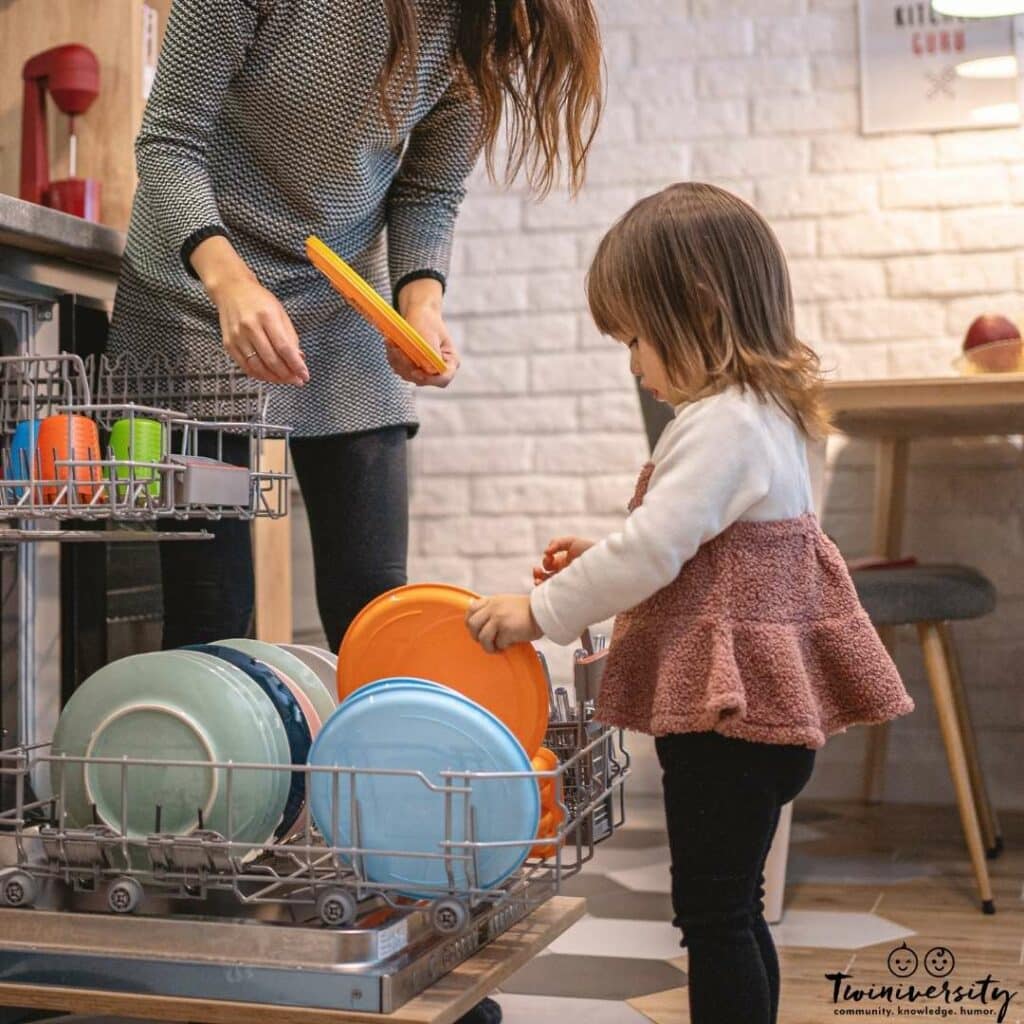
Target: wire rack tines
(192, 440)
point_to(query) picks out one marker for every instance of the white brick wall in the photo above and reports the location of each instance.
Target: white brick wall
(896, 243)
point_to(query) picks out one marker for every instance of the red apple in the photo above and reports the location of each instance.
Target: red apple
(990, 327)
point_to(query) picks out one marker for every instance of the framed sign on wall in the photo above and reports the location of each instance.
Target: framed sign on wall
(922, 71)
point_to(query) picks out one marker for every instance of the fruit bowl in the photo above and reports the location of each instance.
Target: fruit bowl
(1006, 356)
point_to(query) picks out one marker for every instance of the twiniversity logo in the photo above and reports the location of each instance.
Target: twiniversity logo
(980, 997)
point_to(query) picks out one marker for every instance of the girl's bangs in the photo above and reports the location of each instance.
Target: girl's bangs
(607, 287)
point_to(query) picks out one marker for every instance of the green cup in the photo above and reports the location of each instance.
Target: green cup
(137, 440)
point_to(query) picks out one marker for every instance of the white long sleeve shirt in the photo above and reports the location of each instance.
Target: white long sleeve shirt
(721, 459)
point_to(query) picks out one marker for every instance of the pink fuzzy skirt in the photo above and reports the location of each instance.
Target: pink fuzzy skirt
(760, 637)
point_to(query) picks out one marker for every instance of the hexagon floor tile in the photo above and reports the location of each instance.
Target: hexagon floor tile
(881, 870)
(656, 877)
(643, 940)
(829, 929)
(537, 1009)
(594, 977)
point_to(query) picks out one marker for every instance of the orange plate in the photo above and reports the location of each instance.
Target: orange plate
(420, 630)
(364, 300)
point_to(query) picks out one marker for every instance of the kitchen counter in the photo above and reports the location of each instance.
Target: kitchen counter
(27, 226)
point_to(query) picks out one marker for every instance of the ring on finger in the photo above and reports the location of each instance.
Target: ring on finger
(251, 355)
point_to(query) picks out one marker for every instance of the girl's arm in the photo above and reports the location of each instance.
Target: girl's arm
(710, 468)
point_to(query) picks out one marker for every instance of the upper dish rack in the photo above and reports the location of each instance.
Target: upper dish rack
(197, 405)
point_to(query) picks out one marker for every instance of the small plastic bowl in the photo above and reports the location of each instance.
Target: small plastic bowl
(995, 357)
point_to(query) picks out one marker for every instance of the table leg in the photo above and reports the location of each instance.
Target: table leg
(886, 542)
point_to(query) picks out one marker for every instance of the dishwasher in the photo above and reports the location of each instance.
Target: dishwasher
(203, 915)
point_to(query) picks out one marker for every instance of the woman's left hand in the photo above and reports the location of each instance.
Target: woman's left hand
(426, 317)
(498, 622)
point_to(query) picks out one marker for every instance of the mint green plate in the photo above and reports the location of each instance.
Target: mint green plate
(300, 673)
(172, 705)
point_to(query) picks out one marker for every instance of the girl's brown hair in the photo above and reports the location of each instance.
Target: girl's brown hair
(700, 275)
(538, 62)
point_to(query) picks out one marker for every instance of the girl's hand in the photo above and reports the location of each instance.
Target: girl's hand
(498, 622)
(428, 321)
(558, 554)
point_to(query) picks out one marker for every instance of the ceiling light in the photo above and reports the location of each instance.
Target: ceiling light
(997, 113)
(978, 8)
(989, 67)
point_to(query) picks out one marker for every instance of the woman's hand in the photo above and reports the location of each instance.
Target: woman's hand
(498, 622)
(420, 303)
(257, 332)
(558, 554)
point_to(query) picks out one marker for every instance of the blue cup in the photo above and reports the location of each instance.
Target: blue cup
(23, 453)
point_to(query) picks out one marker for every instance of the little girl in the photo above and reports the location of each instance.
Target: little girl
(739, 641)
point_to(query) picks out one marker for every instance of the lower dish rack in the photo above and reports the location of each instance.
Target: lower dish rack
(298, 921)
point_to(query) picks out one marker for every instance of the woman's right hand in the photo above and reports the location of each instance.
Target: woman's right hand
(257, 333)
(558, 554)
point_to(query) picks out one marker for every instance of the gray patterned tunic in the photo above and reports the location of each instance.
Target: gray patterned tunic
(264, 124)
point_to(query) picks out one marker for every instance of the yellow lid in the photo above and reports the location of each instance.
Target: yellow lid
(365, 301)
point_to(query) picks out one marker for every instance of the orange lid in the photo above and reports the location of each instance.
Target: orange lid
(420, 630)
(365, 301)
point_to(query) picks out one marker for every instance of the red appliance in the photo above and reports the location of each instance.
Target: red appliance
(72, 75)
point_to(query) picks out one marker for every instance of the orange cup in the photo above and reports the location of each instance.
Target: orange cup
(545, 761)
(549, 822)
(65, 437)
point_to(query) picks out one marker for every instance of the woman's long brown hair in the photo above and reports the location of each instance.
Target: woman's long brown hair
(700, 275)
(537, 63)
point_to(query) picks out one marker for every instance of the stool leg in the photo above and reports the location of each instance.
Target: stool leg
(874, 763)
(942, 693)
(986, 815)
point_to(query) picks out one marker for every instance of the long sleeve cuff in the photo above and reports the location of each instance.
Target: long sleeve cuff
(193, 242)
(554, 629)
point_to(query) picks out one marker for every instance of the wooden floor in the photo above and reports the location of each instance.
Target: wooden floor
(940, 907)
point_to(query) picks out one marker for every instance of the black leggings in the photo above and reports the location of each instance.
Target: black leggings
(722, 802)
(355, 489)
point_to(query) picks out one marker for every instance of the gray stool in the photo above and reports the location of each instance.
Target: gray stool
(930, 597)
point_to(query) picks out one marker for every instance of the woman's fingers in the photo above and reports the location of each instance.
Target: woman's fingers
(286, 345)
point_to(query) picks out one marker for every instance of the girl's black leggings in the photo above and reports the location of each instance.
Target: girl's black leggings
(722, 802)
(355, 489)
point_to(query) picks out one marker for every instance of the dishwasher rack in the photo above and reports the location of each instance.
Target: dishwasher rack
(306, 871)
(189, 479)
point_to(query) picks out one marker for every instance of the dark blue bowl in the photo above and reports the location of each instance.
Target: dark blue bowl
(300, 738)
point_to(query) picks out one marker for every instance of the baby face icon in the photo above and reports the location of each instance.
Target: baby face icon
(902, 961)
(939, 961)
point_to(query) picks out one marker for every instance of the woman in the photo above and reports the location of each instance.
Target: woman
(270, 120)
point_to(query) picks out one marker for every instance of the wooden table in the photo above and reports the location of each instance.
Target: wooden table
(893, 413)
(443, 1003)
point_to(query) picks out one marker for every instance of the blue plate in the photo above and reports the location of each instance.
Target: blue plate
(300, 737)
(383, 684)
(416, 725)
